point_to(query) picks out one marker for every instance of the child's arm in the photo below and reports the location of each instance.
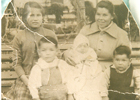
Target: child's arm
(17, 58)
(136, 76)
(105, 84)
(34, 82)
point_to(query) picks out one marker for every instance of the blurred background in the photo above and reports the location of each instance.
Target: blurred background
(66, 18)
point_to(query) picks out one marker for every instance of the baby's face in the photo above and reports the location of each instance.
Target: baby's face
(82, 48)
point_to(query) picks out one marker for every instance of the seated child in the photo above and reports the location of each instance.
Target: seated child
(121, 78)
(88, 72)
(49, 77)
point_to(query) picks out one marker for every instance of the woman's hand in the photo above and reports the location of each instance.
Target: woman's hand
(70, 97)
(24, 79)
(68, 56)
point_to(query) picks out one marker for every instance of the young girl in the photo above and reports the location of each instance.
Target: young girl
(88, 72)
(49, 78)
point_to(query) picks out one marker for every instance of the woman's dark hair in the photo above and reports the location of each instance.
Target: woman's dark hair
(122, 50)
(48, 39)
(110, 7)
(28, 5)
(106, 4)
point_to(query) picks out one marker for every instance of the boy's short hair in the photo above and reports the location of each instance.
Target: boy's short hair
(122, 50)
(48, 39)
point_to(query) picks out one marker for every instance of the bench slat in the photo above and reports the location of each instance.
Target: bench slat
(136, 53)
(135, 45)
(6, 46)
(5, 89)
(6, 56)
(7, 82)
(65, 35)
(7, 66)
(136, 62)
(137, 67)
(6, 49)
(8, 75)
(64, 46)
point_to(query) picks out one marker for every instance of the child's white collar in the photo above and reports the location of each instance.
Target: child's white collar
(113, 66)
(43, 64)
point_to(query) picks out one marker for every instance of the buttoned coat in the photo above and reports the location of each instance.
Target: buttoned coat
(104, 42)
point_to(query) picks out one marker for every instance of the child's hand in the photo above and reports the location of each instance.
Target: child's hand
(105, 98)
(70, 97)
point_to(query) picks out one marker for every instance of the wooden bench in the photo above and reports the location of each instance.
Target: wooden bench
(8, 74)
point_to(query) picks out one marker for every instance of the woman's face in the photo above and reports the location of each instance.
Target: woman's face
(34, 18)
(103, 17)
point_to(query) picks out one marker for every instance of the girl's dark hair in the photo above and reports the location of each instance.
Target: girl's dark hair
(122, 50)
(110, 7)
(48, 39)
(28, 5)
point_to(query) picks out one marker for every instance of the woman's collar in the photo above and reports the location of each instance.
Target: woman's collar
(110, 30)
(104, 29)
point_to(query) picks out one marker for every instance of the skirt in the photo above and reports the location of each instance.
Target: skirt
(19, 91)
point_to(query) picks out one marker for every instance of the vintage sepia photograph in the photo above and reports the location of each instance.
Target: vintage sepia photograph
(69, 50)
